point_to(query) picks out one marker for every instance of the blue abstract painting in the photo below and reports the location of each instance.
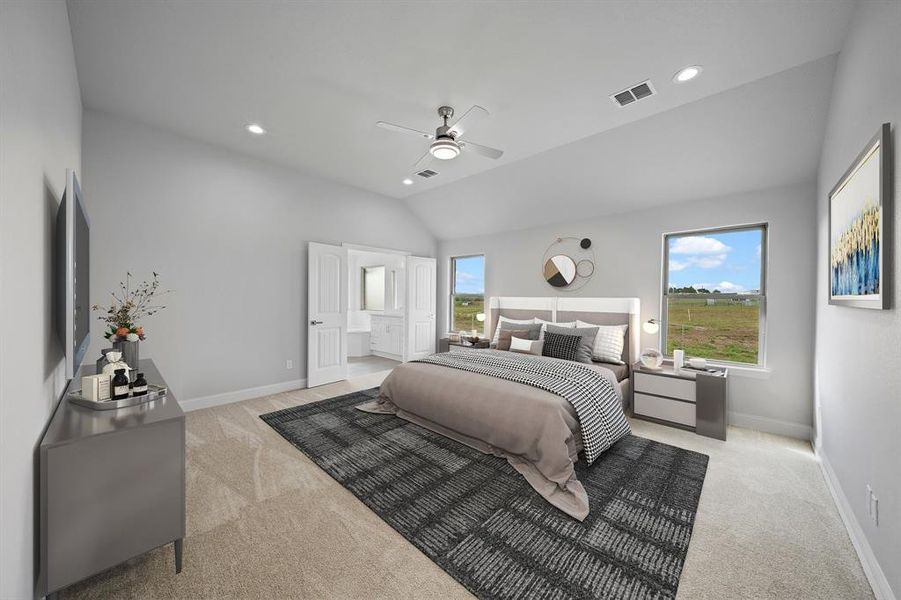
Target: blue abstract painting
(855, 242)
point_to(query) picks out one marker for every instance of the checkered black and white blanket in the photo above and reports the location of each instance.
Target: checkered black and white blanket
(597, 404)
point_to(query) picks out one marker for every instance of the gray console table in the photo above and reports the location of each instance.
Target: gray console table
(112, 486)
(689, 399)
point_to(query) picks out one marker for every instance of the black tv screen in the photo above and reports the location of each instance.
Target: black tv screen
(73, 244)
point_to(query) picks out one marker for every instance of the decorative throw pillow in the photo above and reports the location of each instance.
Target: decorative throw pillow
(544, 325)
(609, 343)
(586, 335)
(505, 335)
(500, 325)
(533, 329)
(558, 345)
(526, 346)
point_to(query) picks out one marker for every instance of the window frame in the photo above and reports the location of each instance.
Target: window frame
(761, 296)
(451, 285)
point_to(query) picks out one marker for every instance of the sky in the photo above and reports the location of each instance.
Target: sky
(729, 262)
(470, 275)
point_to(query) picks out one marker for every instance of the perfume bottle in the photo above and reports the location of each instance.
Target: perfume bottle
(139, 387)
(120, 385)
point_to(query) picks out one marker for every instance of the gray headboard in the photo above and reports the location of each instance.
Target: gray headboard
(598, 311)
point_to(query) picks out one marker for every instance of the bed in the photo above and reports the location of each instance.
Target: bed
(541, 414)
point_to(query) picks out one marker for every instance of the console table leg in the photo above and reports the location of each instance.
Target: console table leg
(179, 554)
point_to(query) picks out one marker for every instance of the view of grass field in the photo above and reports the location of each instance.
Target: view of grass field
(466, 307)
(723, 329)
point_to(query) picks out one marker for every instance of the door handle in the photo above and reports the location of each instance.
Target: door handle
(315, 322)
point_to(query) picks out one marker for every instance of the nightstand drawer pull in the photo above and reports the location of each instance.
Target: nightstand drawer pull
(665, 409)
(661, 385)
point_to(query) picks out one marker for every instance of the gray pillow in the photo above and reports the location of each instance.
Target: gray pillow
(534, 329)
(586, 346)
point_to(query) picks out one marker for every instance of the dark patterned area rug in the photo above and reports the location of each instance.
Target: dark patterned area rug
(479, 520)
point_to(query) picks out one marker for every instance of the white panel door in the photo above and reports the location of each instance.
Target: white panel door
(420, 330)
(327, 314)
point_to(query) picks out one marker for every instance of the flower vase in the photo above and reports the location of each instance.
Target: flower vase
(130, 354)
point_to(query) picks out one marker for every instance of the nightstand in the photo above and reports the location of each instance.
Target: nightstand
(689, 399)
(445, 345)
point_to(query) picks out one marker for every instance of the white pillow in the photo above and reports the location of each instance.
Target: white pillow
(526, 346)
(497, 330)
(544, 325)
(609, 342)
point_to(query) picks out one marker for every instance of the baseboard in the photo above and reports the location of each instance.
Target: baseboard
(239, 395)
(786, 428)
(881, 588)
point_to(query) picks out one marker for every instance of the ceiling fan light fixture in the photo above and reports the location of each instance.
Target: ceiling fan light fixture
(444, 149)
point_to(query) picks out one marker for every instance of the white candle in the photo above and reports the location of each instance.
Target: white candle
(678, 359)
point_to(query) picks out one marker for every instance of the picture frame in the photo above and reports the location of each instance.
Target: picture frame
(859, 269)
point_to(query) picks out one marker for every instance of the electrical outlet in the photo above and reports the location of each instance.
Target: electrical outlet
(289, 364)
(875, 511)
(872, 506)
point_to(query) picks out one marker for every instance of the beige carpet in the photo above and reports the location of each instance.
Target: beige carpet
(264, 522)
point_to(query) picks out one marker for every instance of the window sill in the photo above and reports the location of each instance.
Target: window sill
(747, 371)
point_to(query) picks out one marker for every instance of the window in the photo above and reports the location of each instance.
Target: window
(373, 288)
(467, 293)
(714, 294)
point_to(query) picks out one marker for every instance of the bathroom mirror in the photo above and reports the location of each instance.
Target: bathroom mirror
(373, 288)
(560, 270)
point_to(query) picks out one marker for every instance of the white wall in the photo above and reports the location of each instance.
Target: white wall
(40, 137)
(858, 363)
(228, 233)
(628, 249)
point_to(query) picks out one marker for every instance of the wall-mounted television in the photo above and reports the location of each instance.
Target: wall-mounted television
(73, 235)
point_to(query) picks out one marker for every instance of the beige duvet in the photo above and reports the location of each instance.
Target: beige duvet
(535, 430)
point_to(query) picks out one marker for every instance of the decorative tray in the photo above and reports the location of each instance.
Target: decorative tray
(154, 392)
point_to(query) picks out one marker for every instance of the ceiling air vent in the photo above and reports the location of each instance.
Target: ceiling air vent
(427, 173)
(634, 93)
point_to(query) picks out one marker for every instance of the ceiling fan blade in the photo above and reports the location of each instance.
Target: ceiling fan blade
(487, 151)
(473, 115)
(423, 163)
(402, 129)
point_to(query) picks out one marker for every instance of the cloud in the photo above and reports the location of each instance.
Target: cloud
(723, 286)
(698, 251)
(698, 244)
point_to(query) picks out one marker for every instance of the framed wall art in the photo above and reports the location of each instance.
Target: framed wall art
(860, 219)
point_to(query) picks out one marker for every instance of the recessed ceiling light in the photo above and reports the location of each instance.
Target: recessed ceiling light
(407, 181)
(687, 74)
(255, 129)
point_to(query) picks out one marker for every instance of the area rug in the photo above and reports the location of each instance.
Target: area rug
(479, 520)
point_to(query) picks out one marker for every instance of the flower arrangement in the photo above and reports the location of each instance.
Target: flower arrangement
(129, 305)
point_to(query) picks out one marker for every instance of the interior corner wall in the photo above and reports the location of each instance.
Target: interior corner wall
(40, 137)
(858, 363)
(228, 233)
(628, 250)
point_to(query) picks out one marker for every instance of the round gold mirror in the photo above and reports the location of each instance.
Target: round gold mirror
(560, 270)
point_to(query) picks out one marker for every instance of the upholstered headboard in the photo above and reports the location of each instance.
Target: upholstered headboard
(598, 311)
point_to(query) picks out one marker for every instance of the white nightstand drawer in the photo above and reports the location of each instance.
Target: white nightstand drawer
(675, 411)
(665, 386)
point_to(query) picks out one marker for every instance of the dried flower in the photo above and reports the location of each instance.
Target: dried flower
(130, 305)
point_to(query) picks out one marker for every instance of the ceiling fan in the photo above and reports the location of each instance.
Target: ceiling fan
(447, 142)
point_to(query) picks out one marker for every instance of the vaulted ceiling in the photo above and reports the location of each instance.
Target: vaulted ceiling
(318, 75)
